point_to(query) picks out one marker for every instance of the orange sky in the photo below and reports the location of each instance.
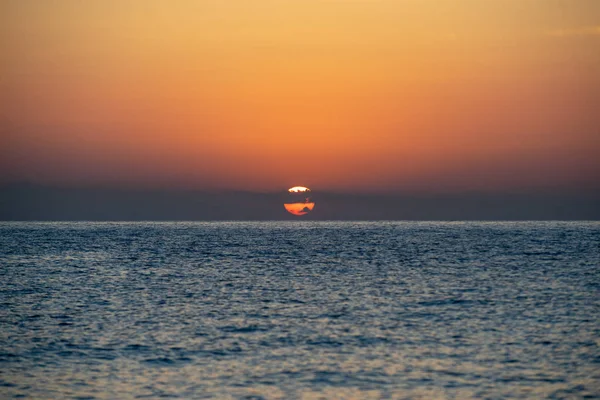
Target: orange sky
(332, 94)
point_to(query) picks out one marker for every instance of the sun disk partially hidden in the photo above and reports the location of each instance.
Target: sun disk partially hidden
(299, 201)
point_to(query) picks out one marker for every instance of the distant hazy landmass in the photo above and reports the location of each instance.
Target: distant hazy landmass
(34, 202)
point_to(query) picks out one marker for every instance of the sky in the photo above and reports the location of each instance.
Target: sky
(357, 95)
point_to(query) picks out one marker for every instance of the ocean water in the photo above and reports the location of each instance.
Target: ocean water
(300, 310)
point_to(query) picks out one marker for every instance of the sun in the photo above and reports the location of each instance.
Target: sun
(298, 189)
(299, 201)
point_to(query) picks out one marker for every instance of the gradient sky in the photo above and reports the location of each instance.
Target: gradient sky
(379, 95)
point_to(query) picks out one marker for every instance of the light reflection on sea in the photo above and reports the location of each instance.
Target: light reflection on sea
(300, 310)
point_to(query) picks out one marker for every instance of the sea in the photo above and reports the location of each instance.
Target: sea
(300, 310)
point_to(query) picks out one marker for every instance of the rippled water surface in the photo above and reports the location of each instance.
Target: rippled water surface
(300, 310)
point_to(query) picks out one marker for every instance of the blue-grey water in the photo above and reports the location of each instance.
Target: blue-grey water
(252, 310)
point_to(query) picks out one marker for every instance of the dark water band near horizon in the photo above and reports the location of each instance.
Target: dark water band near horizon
(300, 310)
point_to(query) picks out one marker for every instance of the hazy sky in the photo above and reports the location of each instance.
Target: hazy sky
(385, 95)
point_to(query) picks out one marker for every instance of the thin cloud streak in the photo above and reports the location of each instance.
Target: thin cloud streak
(574, 32)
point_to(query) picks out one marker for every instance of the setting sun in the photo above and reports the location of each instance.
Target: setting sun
(299, 208)
(299, 202)
(298, 189)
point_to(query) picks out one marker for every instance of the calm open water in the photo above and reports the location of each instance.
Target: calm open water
(253, 310)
